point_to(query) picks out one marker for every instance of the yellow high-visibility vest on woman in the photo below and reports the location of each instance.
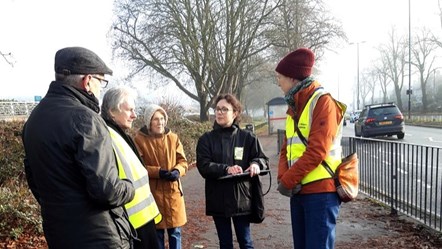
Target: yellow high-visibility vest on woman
(295, 146)
(143, 207)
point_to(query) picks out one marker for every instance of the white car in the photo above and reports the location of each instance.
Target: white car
(354, 116)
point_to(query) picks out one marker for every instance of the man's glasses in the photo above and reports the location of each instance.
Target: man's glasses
(222, 110)
(103, 82)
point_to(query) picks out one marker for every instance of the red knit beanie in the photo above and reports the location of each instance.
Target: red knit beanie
(297, 65)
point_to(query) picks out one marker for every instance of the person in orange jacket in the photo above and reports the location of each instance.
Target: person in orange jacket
(314, 115)
(164, 158)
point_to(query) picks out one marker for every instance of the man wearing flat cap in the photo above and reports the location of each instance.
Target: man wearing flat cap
(313, 136)
(70, 166)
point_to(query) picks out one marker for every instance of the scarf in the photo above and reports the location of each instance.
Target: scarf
(303, 84)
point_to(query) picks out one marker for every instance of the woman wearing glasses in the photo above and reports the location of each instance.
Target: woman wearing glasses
(165, 160)
(224, 152)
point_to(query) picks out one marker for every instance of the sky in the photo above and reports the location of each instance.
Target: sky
(34, 30)
(369, 23)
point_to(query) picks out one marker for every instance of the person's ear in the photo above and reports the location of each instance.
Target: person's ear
(85, 83)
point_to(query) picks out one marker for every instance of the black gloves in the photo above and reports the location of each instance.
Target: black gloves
(170, 176)
(174, 175)
(164, 174)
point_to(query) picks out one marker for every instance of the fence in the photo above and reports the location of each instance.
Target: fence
(424, 118)
(10, 110)
(406, 177)
(16, 108)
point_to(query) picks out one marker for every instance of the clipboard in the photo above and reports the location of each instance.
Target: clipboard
(244, 174)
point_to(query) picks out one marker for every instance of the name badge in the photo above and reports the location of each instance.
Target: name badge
(238, 153)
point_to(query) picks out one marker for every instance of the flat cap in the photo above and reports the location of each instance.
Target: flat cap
(78, 60)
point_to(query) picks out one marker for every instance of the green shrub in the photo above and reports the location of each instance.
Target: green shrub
(11, 151)
(19, 211)
(189, 133)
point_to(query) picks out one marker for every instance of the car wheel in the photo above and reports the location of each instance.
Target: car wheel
(400, 136)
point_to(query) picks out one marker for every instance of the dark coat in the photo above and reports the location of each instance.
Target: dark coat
(72, 172)
(215, 152)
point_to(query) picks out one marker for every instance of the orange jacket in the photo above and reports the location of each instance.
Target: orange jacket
(165, 152)
(325, 121)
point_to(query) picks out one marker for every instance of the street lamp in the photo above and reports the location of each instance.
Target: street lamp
(357, 86)
(409, 91)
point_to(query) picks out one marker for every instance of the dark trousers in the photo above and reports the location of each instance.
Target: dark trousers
(147, 236)
(242, 229)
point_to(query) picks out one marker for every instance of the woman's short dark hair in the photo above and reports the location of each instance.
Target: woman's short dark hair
(236, 105)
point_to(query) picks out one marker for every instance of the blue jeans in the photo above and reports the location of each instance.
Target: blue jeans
(174, 235)
(314, 220)
(242, 229)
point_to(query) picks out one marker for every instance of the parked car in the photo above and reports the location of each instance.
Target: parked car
(380, 120)
(354, 116)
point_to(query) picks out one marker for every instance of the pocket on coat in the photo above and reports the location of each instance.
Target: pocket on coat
(121, 221)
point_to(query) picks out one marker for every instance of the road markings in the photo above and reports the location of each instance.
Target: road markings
(434, 141)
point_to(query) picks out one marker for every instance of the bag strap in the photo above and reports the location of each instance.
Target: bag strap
(270, 183)
(304, 141)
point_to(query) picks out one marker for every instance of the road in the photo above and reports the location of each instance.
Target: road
(427, 136)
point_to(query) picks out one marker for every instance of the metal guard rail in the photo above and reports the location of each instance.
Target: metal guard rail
(406, 177)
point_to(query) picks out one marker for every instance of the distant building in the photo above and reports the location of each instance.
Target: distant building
(276, 109)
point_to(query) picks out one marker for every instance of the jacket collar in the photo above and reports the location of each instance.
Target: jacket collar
(301, 98)
(218, 127)
(58, 88)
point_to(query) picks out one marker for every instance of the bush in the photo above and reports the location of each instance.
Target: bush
(19, 211)
(189, 133)
(11, 151)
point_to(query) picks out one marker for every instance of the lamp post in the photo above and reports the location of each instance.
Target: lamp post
(357, 62)
(409, 92)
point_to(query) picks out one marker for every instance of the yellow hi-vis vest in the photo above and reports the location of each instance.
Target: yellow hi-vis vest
(143, 207)
(295, 146)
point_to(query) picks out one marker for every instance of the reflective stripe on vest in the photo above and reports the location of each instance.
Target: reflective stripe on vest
(143, 207)
(295, 146)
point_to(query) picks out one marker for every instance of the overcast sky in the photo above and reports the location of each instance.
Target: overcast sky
(369, 22)
(34, 30)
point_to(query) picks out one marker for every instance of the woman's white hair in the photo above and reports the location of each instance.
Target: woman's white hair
(114, 98)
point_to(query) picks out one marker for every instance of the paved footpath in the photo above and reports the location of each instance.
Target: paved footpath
(361, 224)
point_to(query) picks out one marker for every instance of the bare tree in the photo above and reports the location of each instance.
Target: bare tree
(264, 88)
(423, 52)
(367, 87)
(371, 83)
(8, 58)
(304, 23)
(393, 55)
(205, 47)
(381, 77)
